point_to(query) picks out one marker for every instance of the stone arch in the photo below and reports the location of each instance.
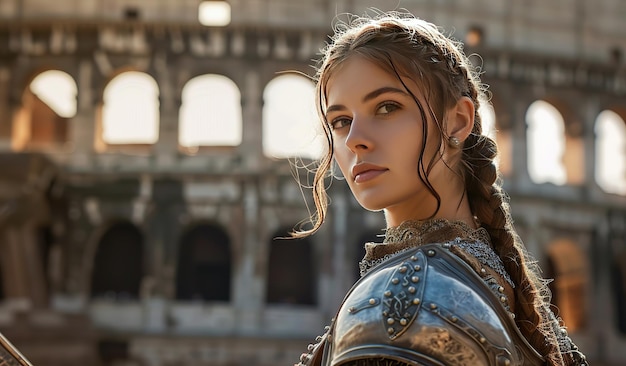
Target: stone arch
(118, 121)
(290, 122)
(118, 262)
(210, 113)
(291, 270)
(203, 270)
(610, 151)
(568, 267)
(48, 102)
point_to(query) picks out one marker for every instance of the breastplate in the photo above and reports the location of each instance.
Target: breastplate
(425, 307)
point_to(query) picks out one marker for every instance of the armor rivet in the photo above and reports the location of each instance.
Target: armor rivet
(433, 306)
(500, 289)
(454, 319)
(403, 321)
(390, 321)
(388, 293)
(563, 331)
(415, 279)
(385, 313)
(390, 330)
(447, 245)
(502, 298)
(482, 270)
(482, 339)
(417, 267)
(395, 281)
(416, 301)
(411, 289)
(413, 258)
(351, 309)
(430, 253)
(372, 301)
(402, 269)
(512, 315)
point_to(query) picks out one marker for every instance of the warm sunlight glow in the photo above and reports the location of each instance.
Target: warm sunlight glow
(488, 119)
(546, 143)
(210, 114)
(58, 90)
(611, 152)
(214, 13)
(290, 124)
(131, 110)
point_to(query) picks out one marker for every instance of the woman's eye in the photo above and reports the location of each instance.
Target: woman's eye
(338, 123)
(387, 108)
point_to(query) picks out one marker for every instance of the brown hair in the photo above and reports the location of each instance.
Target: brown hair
(409, 47)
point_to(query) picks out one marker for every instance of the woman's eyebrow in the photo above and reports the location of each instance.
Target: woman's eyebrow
(369, 96)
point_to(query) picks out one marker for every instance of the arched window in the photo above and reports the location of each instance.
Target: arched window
(568, 266)
(291, 275)
(118, 264)
(611, 152)
(210, 114)
(130, 112)
(204, 264)
(291, 127)
(47, 105)
(546, 143)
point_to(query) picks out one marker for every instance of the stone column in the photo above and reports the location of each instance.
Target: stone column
(248, 288)
(589, 110)
(251, 148)
(6, 110)
(166, 148)
(342, 273)
(32, 267)
(519, 142)
(13, 274)
(83, 126)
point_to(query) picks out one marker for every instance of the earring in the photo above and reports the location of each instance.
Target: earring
(454, 141)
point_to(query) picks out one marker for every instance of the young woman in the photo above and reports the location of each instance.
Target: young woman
(451, 284)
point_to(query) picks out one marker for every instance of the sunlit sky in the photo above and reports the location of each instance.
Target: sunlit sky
(211, 115)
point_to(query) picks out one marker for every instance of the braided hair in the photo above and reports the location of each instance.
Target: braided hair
(407, 46)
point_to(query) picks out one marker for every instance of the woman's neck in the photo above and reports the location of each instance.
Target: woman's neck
(449, 210)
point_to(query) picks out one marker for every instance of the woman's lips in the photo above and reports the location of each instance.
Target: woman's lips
(364, 172)
(367, 175)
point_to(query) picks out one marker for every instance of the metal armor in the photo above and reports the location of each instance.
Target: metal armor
(427, 307)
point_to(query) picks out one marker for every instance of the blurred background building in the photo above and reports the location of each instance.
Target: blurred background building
(146, 151)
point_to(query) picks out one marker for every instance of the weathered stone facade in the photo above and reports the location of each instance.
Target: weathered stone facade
(105, 246)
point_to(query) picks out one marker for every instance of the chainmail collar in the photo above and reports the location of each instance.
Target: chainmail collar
(411, 234)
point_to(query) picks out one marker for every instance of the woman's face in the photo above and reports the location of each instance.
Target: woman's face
(378, 131)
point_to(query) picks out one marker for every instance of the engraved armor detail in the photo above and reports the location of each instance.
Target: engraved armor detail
(426, 306)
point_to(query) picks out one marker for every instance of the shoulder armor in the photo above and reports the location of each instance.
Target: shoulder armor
(426, 306)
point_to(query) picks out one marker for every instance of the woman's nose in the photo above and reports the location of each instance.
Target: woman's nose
(359, 136)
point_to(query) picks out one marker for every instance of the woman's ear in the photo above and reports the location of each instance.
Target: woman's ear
(461, 119)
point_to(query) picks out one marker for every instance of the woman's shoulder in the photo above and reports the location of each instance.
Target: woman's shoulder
(431, 302)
